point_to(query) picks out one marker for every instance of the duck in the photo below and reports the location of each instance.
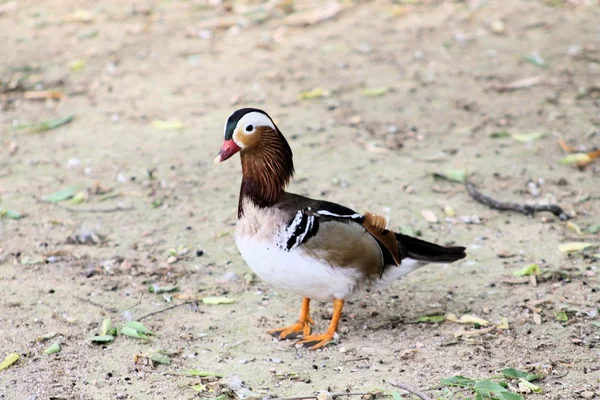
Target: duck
(316, 249)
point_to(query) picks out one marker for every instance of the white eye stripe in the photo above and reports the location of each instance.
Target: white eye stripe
(254, 119)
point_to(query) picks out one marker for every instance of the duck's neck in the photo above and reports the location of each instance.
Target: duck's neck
(266, 170)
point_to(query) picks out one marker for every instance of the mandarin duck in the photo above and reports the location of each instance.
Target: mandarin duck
(314, 248)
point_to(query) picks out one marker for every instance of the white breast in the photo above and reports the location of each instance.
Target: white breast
(297, 272)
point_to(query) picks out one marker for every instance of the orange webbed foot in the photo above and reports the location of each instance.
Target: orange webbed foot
(316, 341)
(300, 328)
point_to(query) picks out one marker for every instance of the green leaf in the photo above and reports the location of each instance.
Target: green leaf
(458, 381)
(162, 289)
(77, 65)
(216, 300)
(527, 137)
(54, 348)
(500, 135)
(375, 91)
(532, 269)
(531, 386)
(78, 198)
(432, 319)
(47, 336)
(575, 158)
(44, 126)
(159, 358)
(102, 338)
(202, 374)
(138, 326)
(61, 195)
(199, 387)
(488, 387)
(562, 316)
(509, 396)
(536, 60)
(9, 360)
(594, 228)
(127, 331)
(106, 325)
(6, 213)
(454, 175)
(396, 396)
(516, 374)
(313, 94)
(596, 324)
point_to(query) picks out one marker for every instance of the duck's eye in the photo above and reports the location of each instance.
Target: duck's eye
(249, 128)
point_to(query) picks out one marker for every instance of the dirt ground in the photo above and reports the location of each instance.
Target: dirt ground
(411, 88)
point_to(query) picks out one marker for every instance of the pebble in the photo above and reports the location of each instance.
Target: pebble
(73, 163)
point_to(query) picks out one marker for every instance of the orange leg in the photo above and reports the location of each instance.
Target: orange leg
(302, 326)
(318, 341)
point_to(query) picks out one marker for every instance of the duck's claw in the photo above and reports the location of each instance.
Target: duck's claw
(316, 341)
(300, 328)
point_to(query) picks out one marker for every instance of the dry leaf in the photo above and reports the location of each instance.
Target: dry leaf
(520, 84)
(43, 95)
(316, 16)
(429, 216)
(471, 319)
(574, 247)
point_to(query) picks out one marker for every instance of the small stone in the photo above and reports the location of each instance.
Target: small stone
(343, 349)
(73, 163)
(498, 27)
(587, 394)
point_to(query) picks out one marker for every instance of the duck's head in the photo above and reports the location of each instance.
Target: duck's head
(250, 129)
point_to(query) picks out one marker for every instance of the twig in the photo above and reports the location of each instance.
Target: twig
(506, 206)
(136, 304)
(410, 390)
(333, 395)
(165, 309)
(102, 306)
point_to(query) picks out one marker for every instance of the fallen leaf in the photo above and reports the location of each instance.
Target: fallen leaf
(102, 338)
(527, 137)
(61, 195)
(532, 269)
(83, 16)
(315, 93)
(449, 211)
(6, 213)
(201, 374)
(454, 175)
(328, 11)
(432, 319)
(138, 326)
(375, 91)
(47, 336)
(594, 228)
(162, 289)
(199, 387)
(562, 316)
(78, 198)
(572, 226)
(520, 84)
(471, 319)
(537, 60)
(38, 127)
(43, 95)
(503, 323)
(458, 380)
(574, 247)
(500, 135)
(576, 158)
(170, 125)
(54, 348)
(127, 331)
(473, 332)
(530, 386)
(516, 374)
(106, 326)
(77, 65)
(429, 216)
(216, 300)
(9, 360)
(159, 357)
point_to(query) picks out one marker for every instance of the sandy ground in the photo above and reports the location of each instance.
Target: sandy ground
(443, 65)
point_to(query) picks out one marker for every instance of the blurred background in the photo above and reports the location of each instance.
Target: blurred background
(111, 113)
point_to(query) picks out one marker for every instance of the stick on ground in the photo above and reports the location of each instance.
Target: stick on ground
(506, 206)
(410, 390)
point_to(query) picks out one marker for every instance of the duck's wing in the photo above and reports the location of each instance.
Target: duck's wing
(333, 230)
